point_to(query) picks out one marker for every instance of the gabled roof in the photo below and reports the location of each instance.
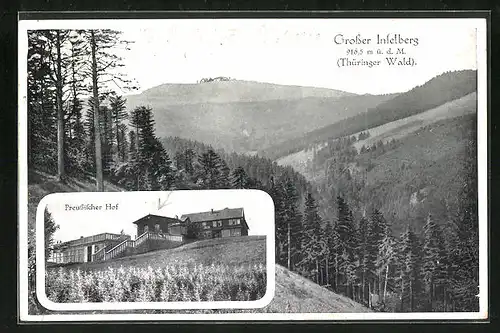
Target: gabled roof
(226, 213)
(165, 218)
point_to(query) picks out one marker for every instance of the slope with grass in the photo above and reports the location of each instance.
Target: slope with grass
(246, 250)
(403, 127)
(41, 184)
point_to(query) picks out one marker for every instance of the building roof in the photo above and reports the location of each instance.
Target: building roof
(226, 213)
(164, 218)
(90, 239)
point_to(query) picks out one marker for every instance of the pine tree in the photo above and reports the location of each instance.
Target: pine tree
(42, 113)
(123, 149)
(76, 154)
(434, 260)
(104, 128)
(313, 245)
(103, 65)
(189, 156)
(278, 195)
(365, 264)
(210, 172)
(348, 244)
(386, 259)
(292, 219)
(118, 115)
(97, 130)
(179, 160)
(50, 227)
(57, 38)
(106, 139)
(224, 181)
(376, 233)
(331, 242)
(409, 269)
(151, 162)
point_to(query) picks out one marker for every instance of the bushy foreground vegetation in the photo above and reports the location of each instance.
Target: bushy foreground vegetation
(174, 283)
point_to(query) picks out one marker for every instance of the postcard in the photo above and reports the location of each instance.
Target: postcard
(253, 169)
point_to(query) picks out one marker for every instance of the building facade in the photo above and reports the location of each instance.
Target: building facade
(153, 232)
(228, 222)
(160, 225)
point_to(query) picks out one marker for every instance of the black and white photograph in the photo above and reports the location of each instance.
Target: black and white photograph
(183, 247)
(253, 169)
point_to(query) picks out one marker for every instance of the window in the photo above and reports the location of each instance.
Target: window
(157, 227)
(146, 228)
(226, 233)
(234, 222)
(235, 232)
(205, 225)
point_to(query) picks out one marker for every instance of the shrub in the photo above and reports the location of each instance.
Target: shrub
(168, 284)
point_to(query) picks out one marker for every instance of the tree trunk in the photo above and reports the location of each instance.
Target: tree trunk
(137, 153)
(379, 284)
(327, 271)
(431, 287)
(60, 111)
(97, 130)
(444, 298)
(317, 272)
(411, 295)
(363, 286)
(118, 146)
(385, 282)
(402, 292)
(336, 272)
(369, 296)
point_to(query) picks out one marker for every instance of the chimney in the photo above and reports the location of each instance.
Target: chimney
(81, 237)
(212, 210)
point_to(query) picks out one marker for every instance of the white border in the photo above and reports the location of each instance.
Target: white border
(482, 139)
(116, 196)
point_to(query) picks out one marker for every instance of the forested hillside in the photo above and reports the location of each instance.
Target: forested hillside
(437, 91)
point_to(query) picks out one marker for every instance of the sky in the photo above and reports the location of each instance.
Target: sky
(257, 205)
(293, 52)
(284, 51)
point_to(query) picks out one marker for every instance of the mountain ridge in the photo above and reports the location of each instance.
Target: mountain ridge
(245, 120)
(222, 92)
